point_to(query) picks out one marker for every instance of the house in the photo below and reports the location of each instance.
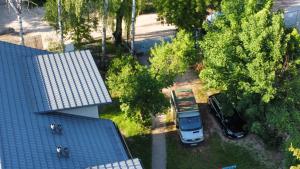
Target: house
(49, 112)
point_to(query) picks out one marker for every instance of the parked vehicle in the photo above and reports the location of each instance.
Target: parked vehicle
(187, 116)
(230, 120)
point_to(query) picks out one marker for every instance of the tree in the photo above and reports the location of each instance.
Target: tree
(169, 60)
(78, 18)
(60, 24)
(133, 15)
(254, 59)
(123, 12)
(139, 94)
(17, 7)
(104, 25)
(296, 153)
(188, 14)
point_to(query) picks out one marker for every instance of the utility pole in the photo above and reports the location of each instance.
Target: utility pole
(132, 26)
(60, 25)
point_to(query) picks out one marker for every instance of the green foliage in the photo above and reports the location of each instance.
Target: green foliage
(250, 55)
(138, 138)
(78, 19)
(171, 59)
(139, 93)
(185, 14)
(296, 154)
(55, 47)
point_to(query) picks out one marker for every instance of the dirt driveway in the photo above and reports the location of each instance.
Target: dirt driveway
(251, 142)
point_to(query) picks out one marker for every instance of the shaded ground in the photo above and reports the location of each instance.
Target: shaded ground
(250, 144)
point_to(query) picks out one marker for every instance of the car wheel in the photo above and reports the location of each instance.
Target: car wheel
(223, 131)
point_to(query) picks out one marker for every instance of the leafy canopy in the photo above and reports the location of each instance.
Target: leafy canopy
(296, 154)
(254, 59)
(139, 93)
(170, 59)
(78, 18)
(185, 14)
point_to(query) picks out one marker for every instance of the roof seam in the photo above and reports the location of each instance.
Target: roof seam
(91, 73)
(88, 54)
(75, 54)
(50, 83)
(77, 74)
(64, 87)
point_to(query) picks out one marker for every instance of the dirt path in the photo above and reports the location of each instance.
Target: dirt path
(159, 154)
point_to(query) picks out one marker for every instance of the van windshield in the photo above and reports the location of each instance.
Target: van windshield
(190, 123)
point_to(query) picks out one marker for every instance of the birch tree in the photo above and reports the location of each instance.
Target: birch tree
(132, 26)
(60, 24)
(104, 25)
(16, 5)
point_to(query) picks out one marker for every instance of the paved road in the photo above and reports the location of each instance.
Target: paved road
(150, 31)
(159, 154)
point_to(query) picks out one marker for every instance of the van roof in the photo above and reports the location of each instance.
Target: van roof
(185, 100)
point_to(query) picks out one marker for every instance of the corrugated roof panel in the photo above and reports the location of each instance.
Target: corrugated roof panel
(68, 93)
(78, 86)
(82, 79)
(48, 87)
(52, 81)
(75, 94)
(25, 137)
(69, 80)
(87, 77)
(98, 76)
(128, 164)
(93, 77)
(60, 84)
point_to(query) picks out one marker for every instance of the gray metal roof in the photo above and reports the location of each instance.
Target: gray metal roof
(64, 81)
(25, 138)
(128, 164)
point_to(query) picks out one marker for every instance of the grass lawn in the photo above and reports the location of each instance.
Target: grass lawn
(213, 154)
(138, 138)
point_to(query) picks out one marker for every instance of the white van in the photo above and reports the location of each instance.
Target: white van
(187, 116)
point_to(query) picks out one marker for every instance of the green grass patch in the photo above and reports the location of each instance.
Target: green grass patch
(212, 154)
(138, 138)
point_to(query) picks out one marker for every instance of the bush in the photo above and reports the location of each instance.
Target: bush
(139, 93)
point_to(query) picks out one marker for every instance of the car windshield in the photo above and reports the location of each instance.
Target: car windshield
(190, 123)
(226, 106)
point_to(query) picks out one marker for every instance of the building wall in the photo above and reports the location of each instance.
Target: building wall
(285, 4)
(291, 10)
(89, 111)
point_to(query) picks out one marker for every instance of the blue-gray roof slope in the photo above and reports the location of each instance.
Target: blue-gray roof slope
(25, 138)
(64, 81)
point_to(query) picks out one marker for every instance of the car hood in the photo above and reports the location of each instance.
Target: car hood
(195, 134)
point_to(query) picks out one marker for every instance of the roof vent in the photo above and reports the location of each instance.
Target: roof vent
(56, 128)
(62, 152)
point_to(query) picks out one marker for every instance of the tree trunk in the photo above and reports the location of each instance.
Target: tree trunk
(60, 25)
(104, 25)
(119, 18)
(17, 7)
(132, 27)
(21, 32)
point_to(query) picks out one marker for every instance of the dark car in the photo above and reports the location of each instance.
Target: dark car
(230, 120)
